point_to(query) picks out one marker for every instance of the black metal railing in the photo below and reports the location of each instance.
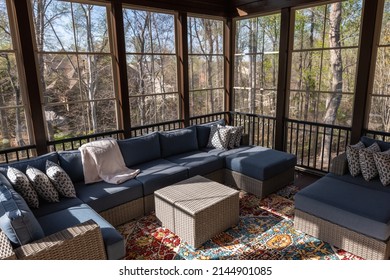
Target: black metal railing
(164, 126)
(378, 135)
(75, 142)
(208, 118)
(16, 154)
(260, 129)
(315, 144)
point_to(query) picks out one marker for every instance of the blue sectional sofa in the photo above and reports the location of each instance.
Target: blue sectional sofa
(163, 158)
(348, 212)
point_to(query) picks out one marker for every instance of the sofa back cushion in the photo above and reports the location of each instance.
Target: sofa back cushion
(16, 219)
(178, 141)
(140, 149)
(71, 163)
(367, 141)
(203, 132)
(37, 162)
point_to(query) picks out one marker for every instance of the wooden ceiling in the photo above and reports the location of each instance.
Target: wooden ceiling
(225, 8)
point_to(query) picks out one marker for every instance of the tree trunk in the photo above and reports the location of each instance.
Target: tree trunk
(333, 100)
(252, 64)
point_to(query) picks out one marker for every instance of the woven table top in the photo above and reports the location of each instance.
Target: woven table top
(195, 194)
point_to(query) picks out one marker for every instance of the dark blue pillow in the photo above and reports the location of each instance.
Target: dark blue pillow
(16, 219)
(71, 162)
(140, 149)
(367, 141)
(178, 141)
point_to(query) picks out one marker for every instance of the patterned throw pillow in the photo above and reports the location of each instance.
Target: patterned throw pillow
(240, 131)
(353, 158)
(42, 184)
(22, 185)
(219, 137)
(367, 162)
(234, 136)
(382, 162)
(60, 179)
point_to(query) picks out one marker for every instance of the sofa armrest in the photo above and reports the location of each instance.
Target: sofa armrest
(6, 249)
(81, 242)
(339, 164)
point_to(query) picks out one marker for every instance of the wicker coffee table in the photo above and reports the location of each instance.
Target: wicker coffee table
(197, 209)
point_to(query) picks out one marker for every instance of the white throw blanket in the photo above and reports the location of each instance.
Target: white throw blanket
(103, 160)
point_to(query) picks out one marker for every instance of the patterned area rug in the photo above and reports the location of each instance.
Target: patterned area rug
(265, 232)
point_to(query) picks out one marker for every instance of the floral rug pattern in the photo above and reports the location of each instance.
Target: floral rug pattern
(265, 232)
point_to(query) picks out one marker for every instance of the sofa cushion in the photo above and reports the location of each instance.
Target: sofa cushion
(140, 149)
(159, 173)
(57, 221)
(42, 184)
(382, 163)
(178, 141)
(203, 132)
(198, 163)
(16, 219)
(353, 158)
(46, 207)
(5, 181)
(60, 179)
(260, 163)
(367, 162)
(369, 141)
(72, 164)
(224, 153)
(102, 195)
(22, 185)
(363, 209)
(37, 162)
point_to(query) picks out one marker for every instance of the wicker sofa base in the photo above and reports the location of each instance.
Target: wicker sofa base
(351, 241)
(124, 212)
(257, 187)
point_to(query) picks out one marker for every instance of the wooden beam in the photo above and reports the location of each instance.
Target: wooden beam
(184, 90)
(247, 7)
(216, 7)
(367, 45)
(121, 68)
(228, 66)
(31, 75)
(281, 96)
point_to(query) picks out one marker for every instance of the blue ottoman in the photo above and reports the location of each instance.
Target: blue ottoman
(260, 170)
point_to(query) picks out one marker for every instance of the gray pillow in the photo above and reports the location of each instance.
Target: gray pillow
(382, 163)
(367, 162)
(219, 137)
(60, 179)
(22, 185)
(353, 158)
(16, 219)
(42, 184)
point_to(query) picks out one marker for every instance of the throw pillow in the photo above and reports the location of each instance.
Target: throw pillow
(16, 219)
(23, 186)
(60, 179)
(367, 162)
(234, 135)
(239, 132)
(42, 184)
(353, 158)
(219, 137)
(382, 163)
